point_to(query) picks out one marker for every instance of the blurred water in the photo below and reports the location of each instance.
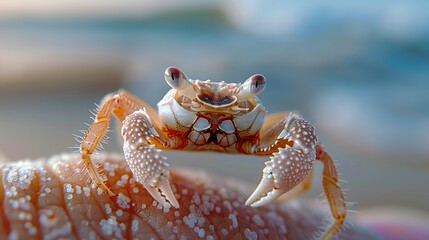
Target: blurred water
(358, 71)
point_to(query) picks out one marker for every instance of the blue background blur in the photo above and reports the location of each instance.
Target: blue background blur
(359, 71)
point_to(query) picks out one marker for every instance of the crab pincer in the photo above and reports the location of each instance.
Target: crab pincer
(144, 159)
(290, 165)
(282, 173)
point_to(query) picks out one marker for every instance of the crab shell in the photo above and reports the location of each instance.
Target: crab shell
(213, 119)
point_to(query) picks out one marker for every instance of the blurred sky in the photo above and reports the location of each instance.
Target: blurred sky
(359, 71)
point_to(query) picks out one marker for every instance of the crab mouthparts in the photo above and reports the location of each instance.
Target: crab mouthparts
(216, 100)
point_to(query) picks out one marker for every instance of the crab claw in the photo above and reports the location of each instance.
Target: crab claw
(149, 167)
(284, 171)
(266, 190)
(162, 192)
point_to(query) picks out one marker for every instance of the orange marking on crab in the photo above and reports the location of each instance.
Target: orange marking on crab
(200, 115)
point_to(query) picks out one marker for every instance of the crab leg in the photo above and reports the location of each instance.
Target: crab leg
(120, 104)
(333, 193)
(143, 157)
(293, 146)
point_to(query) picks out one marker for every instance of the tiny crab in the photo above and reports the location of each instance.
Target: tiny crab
(200, 115)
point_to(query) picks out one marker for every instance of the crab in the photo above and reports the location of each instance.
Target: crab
(224, 117)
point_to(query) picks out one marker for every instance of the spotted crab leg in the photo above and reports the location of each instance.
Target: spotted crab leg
(293, 146)
(144, 158)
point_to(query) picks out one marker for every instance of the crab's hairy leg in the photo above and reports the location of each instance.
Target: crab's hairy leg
(333, 192)
(144, 158)
(120, 104)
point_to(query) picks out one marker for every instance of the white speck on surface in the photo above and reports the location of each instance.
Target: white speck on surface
(123, 201)
(196, 199)
(123, 181)
(84, 223)
(258, 220)
(32, 230)
(218, 209)
(143, 206)
(86, 191)
(111, 227)
(169, 224)
(68, 188)
(135, 225)
(99, 191)
(176, 213)
(190, 220)
(119, 213)
(107, 208)
(69, 196)
(11, 192)
(201, 233)
(123, 226)
(224, 232)
(228, 205)
(78, 189)
(201, 221)
(251, 235)
(135, 190)
(47, 190)
(234, 221)
(167, 207)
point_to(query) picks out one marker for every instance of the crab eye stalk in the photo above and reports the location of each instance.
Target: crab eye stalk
(251, 87)
(179, 81)
(176, 78)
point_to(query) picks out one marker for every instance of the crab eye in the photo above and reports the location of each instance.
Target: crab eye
(251, 87)
(176, 78)
(257, 83)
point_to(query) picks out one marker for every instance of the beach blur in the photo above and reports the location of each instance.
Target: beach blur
(359, 71)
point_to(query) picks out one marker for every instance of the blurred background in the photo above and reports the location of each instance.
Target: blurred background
(359, 71)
